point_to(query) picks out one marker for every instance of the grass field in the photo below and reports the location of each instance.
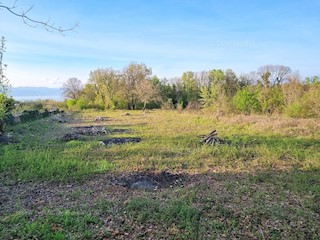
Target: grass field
(263, 184)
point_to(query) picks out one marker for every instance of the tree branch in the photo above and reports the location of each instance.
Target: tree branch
(29, 21)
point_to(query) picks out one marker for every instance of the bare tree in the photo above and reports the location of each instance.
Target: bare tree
(272, 75)
(147, 92)
(72, 88)
(24, 15)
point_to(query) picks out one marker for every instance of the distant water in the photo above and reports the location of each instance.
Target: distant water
(32, 98)
(35, 93)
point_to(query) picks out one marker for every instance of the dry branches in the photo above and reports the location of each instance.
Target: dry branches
(47, 25)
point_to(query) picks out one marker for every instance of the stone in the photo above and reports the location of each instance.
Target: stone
(144, 185)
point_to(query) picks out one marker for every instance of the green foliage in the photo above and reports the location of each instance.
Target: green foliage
(71, 103)
(271, 99)
(295, 109)
(246, 101)
(208, 96)
(191, 89)
(306, 106)
(81, 104)
(7, 104)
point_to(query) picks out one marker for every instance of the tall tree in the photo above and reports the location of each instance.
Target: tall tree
(147, 92)
(191, 88)
(133, 76)
(272, 75)
(72, 88)
(106, 83)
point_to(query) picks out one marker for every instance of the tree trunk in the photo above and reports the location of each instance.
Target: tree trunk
(133, 105)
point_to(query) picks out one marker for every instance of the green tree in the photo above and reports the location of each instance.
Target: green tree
(209, 96)
(133, 76)
(190, 87)
(246, 101)
(106, 85)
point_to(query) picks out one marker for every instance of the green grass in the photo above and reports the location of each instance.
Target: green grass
(263, 184)
(63, 225)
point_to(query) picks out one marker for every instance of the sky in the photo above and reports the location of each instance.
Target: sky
(169, 36)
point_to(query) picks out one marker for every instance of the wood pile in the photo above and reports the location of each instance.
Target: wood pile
(90, 130)
(212, 139)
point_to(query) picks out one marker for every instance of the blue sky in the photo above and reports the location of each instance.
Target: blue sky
(170, 36)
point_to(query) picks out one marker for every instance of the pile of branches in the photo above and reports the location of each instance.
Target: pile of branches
(90, 130)
(212, 138)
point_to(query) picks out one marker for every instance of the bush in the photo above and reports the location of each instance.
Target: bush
(7, 104)
(81, 104)
(272, 100)
(246, 101)
(193, 106)
(168, 105)
(71, 103)
(294, 110)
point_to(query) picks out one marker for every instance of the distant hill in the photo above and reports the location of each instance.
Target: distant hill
(33, 93)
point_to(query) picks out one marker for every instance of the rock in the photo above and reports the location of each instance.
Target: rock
(126, 114)
(144, 185)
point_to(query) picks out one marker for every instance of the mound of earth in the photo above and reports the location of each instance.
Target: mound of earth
(150, 181)
(121, 130)
(70, 136)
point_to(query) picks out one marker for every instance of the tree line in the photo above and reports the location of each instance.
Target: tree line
(270, 89)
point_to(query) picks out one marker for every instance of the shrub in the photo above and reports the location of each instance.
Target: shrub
(71, 103)
(272, 100)
(246, 101)
(81, 104)
(193, 106)
(168, 105)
